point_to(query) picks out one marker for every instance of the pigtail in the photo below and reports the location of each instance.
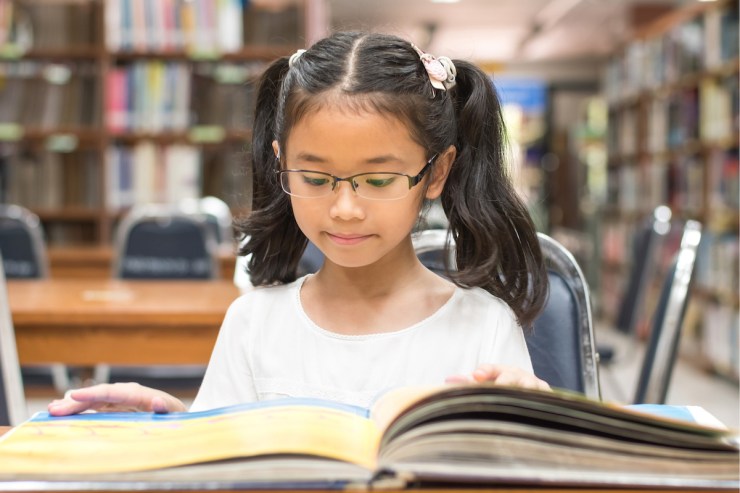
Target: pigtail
(273, 238)
(496, 242)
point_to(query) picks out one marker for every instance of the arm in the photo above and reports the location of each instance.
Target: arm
(117, 397)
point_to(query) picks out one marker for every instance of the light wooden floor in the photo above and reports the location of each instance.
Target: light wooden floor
(690, 385)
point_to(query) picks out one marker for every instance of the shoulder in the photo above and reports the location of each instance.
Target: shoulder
(262, 303)
(261, 294)
(480, 301)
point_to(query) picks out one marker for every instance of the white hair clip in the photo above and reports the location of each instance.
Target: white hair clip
(295, 56)
(442, 71)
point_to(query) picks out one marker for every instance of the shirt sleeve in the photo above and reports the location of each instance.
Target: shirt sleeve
(508, 346)
(228, 378)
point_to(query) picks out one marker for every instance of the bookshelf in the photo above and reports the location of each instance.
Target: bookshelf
(672, 92)
(108, 103)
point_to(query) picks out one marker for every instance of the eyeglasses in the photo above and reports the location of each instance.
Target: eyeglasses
(308, 184)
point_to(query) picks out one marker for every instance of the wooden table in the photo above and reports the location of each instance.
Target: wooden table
(90, 321)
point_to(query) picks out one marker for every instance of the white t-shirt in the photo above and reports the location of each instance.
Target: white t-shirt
(268, 348)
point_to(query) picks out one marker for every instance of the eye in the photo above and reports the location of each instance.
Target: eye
(379, 181)
(315, 180)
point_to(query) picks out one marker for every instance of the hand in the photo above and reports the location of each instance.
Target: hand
(116, 397)
(501, 375)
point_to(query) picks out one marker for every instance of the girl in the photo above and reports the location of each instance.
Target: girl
(351, 139)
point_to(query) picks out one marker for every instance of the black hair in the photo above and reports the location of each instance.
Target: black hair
(496, 244)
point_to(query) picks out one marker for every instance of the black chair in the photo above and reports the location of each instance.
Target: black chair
(157, 241)
(23, 248)
(12, 398)
(22, 243)
(162, 242)
(561, 342)
(662, 348)
(217, 215)
(647, 244)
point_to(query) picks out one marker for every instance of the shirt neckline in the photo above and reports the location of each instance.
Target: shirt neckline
(298, 285)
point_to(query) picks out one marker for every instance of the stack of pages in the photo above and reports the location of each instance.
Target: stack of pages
(462, 435)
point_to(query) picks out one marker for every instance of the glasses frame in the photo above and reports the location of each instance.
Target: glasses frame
(413, 180)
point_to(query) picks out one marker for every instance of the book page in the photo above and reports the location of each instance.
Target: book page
(120, 442)
(391, 404)
(403, 409)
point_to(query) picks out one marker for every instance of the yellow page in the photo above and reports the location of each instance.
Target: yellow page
(60, 445)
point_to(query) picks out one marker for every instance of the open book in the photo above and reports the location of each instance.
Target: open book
(453, 435)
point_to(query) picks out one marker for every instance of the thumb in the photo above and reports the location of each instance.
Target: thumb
(486, 373)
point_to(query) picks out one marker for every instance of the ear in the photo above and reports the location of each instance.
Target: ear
(440, 172)
(276, 149)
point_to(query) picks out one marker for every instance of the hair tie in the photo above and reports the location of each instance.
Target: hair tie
(295, 56)
(441, 71)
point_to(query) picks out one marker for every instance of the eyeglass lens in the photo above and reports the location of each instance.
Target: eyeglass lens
(312, 184)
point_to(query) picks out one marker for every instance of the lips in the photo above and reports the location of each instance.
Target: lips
(347, 239)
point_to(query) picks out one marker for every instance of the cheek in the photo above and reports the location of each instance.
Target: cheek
(309, 215)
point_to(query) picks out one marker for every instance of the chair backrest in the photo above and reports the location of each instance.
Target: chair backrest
(22, 243)
(217, 215)
(435, 249)
(162, 242)
(646, 246)
(561, 342)
(12, 399)
(667, 322)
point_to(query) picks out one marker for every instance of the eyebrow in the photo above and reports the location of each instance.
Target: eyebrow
(312, 158)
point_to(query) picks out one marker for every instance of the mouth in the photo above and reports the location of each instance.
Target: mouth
(347, 239)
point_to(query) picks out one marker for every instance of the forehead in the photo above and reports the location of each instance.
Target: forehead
(347, 127)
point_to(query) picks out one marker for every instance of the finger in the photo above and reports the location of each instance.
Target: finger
(65, 407)
(542, 385)
(459, 379)
(159, 405)
(523, 380)
(486, 373)
(122, 394)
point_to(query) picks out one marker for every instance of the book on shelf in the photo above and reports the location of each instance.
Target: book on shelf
(717, 262)
(729, 38)
(688, 175)
(724, 176)
(61, 24)
(149, 173)
(157, 96)
(718, 111)
(229, 175)
(213, 26)
(458, 435)
(43, 179)
(273, 23)
(720, 339)
(44, 95)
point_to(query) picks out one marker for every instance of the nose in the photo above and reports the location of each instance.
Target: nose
(348, 181)
(345, 205)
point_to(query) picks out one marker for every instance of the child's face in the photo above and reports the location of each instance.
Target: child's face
(353, 231)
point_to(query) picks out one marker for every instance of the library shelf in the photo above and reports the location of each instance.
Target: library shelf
(672, 91)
